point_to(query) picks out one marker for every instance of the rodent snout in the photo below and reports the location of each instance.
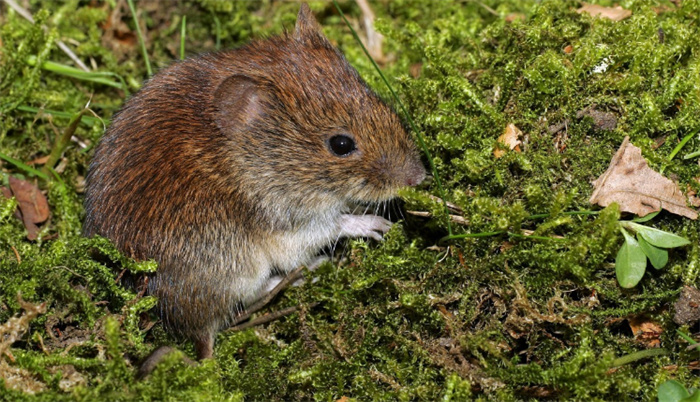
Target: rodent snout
(415, 174)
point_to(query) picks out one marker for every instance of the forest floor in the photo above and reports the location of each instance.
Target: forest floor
(521, 289)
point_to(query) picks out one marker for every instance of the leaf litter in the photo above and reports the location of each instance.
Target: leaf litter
(630, 182)
(33, 208)
(616, 13)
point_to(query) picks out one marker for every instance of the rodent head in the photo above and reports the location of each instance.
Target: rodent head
(313, 130)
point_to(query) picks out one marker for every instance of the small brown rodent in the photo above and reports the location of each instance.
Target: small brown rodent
(232, 167)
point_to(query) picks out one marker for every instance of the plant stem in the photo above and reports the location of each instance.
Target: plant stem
(183, 31)
(25, 167)
(642, 354)
(692, 155)
(539, 216)
(686, 337)
(681, 144)
(218, 31)
(90, 120)
(96, 77)
(141, 40)
(62, 142)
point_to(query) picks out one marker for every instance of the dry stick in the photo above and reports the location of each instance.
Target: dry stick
(269, 317)
(289, 279)
(28, 16)
(374, 38)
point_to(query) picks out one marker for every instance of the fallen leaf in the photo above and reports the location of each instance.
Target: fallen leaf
(33, 207)
(510, 138)
(515, 17)
(638, 189)
(693, 195)
(646, 331)
(612, 13)
(12, 330)
(415, 69)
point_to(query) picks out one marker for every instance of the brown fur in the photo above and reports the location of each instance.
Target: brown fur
(219, 165)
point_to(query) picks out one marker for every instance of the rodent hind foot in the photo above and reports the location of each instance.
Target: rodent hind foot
(372, 226)
(157, 356)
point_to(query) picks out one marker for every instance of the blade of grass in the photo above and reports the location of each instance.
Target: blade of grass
(686, 337)
(218, 31)
(142, 42)
(99, 77)
(421, 141)
(89, 120)
(183, 31)
(20, 165)
(692, 155)
(642, 354)
(62, 142)
(681, 144)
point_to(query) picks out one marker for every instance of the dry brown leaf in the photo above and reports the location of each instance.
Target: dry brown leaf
(510, 138)
(515, 17)
(415, 69)
(638, 189)
(17, 378)
(33, 207)
(612, 13)
(646, 331)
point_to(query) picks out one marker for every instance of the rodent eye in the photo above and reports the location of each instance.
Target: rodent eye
(341, 145)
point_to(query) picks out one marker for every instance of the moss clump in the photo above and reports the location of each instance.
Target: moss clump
(503, 317)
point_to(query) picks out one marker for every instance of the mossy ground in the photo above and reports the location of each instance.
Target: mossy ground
(495, 318)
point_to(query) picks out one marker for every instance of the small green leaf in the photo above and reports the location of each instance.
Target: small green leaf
(694, 397)
(630, 262)
(672, 391)
(657, 256)
(656, 237)
(646, 218)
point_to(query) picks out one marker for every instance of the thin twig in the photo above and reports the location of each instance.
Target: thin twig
(487, 8)
(454, 218)
(288, 280)
(268, 318)
(28, 16)
(374, 38)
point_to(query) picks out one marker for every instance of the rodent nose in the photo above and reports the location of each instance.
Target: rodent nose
(415, 175)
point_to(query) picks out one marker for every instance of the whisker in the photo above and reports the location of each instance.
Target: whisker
(400, 210)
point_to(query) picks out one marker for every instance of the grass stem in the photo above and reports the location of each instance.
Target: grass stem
(142, 42)
(22, 166)
(642, 354)
(183, 32)
(62, 142)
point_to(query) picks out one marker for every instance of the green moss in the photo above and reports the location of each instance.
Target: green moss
(493, 318)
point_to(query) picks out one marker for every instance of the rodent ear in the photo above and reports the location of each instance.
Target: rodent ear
(307, 27)
(238, 100)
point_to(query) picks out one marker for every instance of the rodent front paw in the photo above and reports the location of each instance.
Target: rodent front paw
(371, 226)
